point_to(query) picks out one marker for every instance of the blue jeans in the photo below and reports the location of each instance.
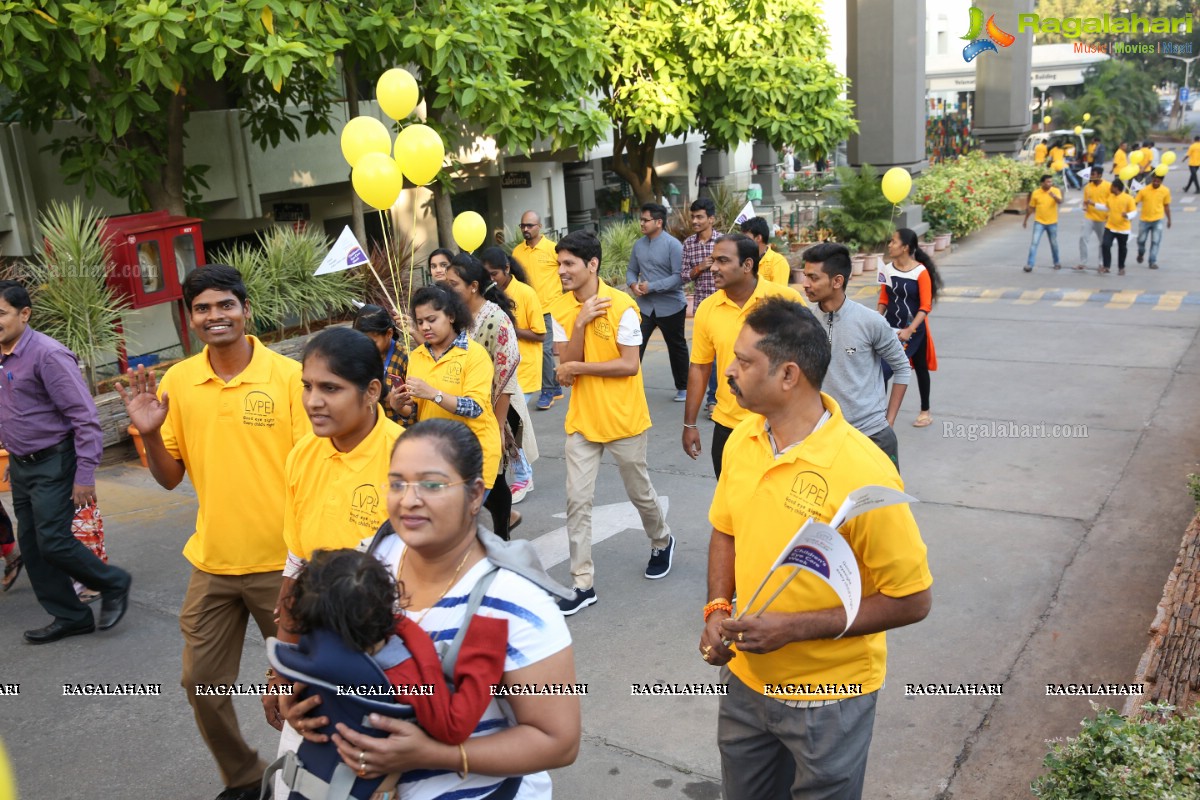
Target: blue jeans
(521, 468)
(1155, 231)
(1052, 232)
(711, 397)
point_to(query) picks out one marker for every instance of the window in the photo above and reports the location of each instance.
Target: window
(185, 255)
(150, 266)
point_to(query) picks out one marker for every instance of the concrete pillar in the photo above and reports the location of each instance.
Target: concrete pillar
(1002, 87)
(885, 61)
(767, 161)
(579, 185)
(714, 164)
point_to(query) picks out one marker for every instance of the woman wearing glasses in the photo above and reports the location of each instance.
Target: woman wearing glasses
(439, 553)
(332, 497)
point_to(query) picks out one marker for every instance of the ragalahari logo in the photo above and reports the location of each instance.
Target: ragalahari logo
(978, 43)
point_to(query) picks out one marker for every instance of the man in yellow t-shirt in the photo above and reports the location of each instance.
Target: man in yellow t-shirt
(1121, 209)
(536, 254)
(772, 266)
(227, 417)
(1095, 213)
(803, 680)
(598, 336)
(1121, 157)
(1043, 202)
(1155, 201)
(1039, 153)
(1193, 157)
(715, 328)
(1147, 158)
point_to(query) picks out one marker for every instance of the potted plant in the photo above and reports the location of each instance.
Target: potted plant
(941, 240)
(863, 215)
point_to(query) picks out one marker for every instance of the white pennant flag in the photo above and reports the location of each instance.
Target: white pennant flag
(346, 253)
(746, 213)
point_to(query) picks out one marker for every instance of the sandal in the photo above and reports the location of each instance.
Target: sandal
(924, 420)
(12, 571)
(514, 520)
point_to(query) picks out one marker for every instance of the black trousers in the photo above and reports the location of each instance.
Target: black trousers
(672, 327)
(720, 436)
(499, 503)
(1122, 240)
(53, 556)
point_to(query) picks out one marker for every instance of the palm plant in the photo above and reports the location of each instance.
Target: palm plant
(616, 246)
(72, 302)
(863, 215)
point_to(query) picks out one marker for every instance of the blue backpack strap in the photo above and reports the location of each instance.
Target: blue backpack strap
(450, 656)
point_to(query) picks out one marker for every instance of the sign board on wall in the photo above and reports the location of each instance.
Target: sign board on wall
(290, 212)
(516, 180)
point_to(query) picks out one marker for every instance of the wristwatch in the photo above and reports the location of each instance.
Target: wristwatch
(437, 398)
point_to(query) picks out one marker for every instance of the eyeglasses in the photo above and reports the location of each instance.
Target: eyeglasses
(647, 220)
(529, 224)
(422, 488)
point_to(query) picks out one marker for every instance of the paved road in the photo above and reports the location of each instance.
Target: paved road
(1048, 554)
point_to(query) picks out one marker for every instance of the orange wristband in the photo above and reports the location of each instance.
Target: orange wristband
(719, 603)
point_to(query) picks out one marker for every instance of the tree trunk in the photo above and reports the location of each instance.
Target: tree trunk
(350, 77)
(445, 216)
(167, 192)
(633, 160)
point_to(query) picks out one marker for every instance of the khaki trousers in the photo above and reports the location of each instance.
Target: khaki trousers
(213, 622)
(583, 464)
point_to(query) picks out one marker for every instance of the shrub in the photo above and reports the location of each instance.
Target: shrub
(962, 195)
(1115, 758)
(863, 215)
(616, 245)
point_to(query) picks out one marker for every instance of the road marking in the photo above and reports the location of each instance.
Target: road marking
(1074, 298)
(1123, 299)
(1170, 301)
(1029, 297)
(607, 521)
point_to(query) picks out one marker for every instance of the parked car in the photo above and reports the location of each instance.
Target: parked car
(1067, 139)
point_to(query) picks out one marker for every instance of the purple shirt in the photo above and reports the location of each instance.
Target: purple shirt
(43, 399)
(694, 252)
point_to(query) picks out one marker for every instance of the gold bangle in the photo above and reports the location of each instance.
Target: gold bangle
(462, 748)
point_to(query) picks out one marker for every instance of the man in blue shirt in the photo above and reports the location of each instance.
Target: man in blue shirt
(654, 278)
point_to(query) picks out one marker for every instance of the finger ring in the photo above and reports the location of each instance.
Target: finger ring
(362, 772)
(706, 649)
(741, 636)
(362, 758)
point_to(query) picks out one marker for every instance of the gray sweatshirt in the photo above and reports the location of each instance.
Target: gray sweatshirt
(861, 340)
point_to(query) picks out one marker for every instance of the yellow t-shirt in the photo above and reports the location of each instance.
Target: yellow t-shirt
(1043, 204)
(774, 267)
(761, 501)
(234, 439)
(1193, 154)
(529, 315)
(1118, 206)
(1153, 202)
(1056, 154)
(1096, 193)
(462, 373)
(1120, 159)
(715, 330)
(1147, 159)
(541, 267)
(603, 409)
(1039, 153)
(334, 500)
(1091, 150)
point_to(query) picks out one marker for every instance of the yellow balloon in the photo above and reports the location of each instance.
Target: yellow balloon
(1127, 172)
(1046, 119)
(1161, 170)
(364, 135)
(397, 93)
(469, 230)
(1136, 157)
(1078, 130)
(420, 152)
(896, 184)
(1086, 117)
(1168, 158)
(1058, 166)
(377, 179)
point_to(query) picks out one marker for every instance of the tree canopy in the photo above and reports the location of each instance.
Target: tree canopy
(1121, 99)
(731, 72)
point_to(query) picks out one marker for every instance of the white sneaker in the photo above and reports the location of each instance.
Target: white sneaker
(519, 490)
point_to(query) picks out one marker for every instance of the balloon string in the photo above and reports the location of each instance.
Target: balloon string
(386, 249)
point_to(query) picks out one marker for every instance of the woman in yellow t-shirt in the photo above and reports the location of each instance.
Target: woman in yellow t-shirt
(333, 496)
(1120, 209)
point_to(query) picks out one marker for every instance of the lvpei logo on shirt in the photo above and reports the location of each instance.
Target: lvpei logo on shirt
(603, 328)
(258, 410)
(979, 43)
(808, 495)
(364, 506)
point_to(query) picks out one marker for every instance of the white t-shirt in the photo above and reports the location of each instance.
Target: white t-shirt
(536, 631)
(629, 330)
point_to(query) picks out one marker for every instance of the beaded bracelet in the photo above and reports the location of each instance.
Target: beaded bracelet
(719, 603)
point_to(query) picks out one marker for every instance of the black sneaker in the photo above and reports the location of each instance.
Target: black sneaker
(660, 560)
(582, 599)
(241, 792)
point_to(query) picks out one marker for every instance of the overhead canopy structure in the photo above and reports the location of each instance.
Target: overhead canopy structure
(1053, 65)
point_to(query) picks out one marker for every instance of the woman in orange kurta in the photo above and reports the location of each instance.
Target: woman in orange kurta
(908, 287)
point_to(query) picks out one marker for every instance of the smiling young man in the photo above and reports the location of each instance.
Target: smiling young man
(654, 277)
(597, 336)
(800, 709)
(715, 328)
(51, 429)
(227, 417)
